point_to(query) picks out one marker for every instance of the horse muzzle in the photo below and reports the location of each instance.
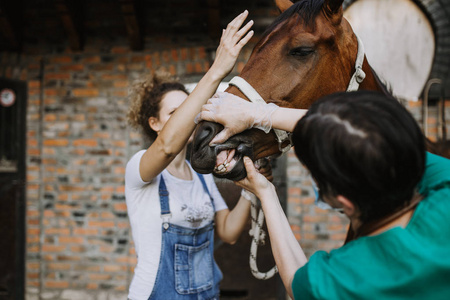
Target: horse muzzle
(224, 160)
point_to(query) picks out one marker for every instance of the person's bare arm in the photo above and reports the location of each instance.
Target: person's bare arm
(175, 134)
(229, 224)
(288, 254)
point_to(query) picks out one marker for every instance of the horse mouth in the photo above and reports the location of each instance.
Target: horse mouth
(223, 160)
(226, 160)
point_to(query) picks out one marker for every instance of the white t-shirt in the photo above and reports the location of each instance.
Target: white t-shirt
(189, 204)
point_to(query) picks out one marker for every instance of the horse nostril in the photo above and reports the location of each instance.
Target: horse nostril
(205, 133)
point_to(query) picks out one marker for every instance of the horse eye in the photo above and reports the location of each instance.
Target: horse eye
(301, 52)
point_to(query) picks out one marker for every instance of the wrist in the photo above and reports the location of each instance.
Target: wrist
(262, 116)
(215, 74)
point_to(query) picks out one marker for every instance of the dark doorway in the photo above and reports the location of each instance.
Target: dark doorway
(12, 188)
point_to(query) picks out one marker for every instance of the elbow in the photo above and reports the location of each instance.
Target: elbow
(166, 148)
(229, 241)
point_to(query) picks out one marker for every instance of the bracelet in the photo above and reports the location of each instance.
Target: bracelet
(248, 195)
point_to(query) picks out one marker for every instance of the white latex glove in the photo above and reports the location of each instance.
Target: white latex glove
(236, 115)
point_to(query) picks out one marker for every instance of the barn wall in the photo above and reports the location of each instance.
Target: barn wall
(78, 235)
(78, 143)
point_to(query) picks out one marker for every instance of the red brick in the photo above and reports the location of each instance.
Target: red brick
(184, 53)
(71, 240)
(49, 213)
(101, 224)
(174, 55)
(85, 92)
(85, 231)
(59, 266)
(92, 286)
(53, 248)
(120, 206)
(85, 143)
(56, 284)
(72, 68)
(34, 84)
(198, 68)
(100, 277)
(56, 142)
(91, 59)
(60, 59)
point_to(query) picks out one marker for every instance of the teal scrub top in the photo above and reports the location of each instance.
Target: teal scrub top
(400, 263)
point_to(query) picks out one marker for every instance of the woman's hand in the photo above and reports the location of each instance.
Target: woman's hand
(236, 115)
(231, 43)
(255, 182)
(264, 168)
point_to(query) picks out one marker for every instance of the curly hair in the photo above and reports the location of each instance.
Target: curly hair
(145, 100)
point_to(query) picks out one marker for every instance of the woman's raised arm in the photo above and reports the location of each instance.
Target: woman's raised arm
(176, 132)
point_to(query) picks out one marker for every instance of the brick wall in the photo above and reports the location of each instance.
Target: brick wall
(78, 240)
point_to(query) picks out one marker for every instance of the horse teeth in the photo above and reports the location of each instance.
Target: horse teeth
(220, 168)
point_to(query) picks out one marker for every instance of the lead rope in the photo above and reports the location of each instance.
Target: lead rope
(258, 239)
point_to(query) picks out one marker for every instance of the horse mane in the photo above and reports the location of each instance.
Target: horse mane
(386, 88)
(307, 10)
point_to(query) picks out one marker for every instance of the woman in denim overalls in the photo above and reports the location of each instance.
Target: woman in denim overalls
(187, 256)
(174, 243)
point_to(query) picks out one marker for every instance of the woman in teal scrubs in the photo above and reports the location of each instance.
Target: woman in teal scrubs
(366, 154)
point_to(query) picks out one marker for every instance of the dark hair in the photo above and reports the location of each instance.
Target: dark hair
(364, 146)
(146, 99)
(306, 11)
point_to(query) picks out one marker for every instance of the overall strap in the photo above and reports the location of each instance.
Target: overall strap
(164, 201)
(205, 187)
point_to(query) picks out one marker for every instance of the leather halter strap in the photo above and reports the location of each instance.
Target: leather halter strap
(359, 74)
(283, 136)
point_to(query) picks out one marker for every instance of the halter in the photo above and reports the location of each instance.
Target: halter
(283, 136)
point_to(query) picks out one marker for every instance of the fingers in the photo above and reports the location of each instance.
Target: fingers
(205, 116)
(235, 24)
(221, 137)
(235, 34)
(264, 168)
(247, 37)
(249, 167)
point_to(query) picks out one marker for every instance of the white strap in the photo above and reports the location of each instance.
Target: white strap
(258, 239)
(247, 89)
(359, 74)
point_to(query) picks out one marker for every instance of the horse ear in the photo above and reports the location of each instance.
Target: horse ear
(283, 4)
(332, 6)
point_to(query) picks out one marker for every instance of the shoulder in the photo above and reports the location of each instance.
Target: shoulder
(437, 173)
(136, 158)
(334, 275)
(133, 178)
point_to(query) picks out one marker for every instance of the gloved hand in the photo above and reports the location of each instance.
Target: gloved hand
(236, 115)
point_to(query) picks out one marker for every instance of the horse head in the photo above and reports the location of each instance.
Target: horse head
(309, 51)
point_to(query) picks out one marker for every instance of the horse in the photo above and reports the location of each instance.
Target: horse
(308, 52)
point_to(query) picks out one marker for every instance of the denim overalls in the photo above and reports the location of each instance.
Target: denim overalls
(187, 270)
